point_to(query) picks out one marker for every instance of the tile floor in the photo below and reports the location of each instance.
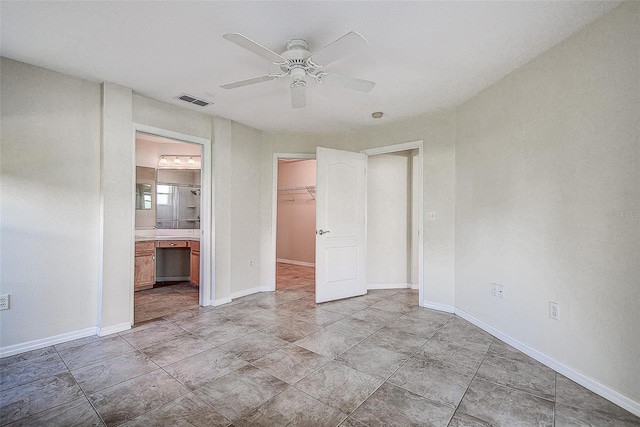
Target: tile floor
(164, 300)
(276, 359)
(169, 298)
(295, 276)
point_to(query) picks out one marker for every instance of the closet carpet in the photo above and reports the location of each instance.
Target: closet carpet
(280, 359)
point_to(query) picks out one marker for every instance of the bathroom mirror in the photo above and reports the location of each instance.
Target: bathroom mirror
(178, 206)
(178, 199)
(143, 196)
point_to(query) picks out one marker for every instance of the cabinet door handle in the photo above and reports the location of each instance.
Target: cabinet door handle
(173, 244)
(153, 257)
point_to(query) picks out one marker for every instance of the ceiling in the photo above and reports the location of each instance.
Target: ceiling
(424, 56)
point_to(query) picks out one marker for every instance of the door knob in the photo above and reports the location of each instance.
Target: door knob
(321, 232)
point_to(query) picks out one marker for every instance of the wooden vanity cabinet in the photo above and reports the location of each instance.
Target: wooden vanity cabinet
(195, 262)
(173, 244)
(145, 261)
(145, 265)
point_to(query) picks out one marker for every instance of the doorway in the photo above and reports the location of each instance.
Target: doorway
(402, 164)
(295, 224)
(392, 221)
(409, 267)
(167, 272)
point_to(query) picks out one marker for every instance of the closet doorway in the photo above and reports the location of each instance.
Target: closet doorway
(395, 240)
(392, 221)
(296, 224)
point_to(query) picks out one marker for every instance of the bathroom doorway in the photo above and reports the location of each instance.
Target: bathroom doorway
(167, 226)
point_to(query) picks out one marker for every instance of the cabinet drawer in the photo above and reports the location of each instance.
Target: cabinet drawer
(195, 246)
(145, 246)
(173, 244)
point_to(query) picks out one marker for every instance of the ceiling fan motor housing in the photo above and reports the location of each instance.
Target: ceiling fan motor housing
(297, 65)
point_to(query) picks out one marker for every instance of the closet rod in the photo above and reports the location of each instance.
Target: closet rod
(305, 187)
(311, 189)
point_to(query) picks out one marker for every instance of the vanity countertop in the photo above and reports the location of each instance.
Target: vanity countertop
(192, 237)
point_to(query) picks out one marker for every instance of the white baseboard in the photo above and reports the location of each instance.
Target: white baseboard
(120, 327)
(414, 285)
(10, 350)
(245, 292)
(219, 301)
(580, 378)
(437, 306)
(240, 294)
(294, 262)
(389, 286)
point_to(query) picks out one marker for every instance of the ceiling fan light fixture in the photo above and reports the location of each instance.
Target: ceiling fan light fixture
(298, 75)
(377, 115)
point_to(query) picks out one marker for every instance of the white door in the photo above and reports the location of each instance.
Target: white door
(340, 224)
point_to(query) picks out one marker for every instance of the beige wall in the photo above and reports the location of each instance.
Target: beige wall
(222, 208)
(541, 157)
(50, 193)
(117, 155)
(245, 208)
(169, 117)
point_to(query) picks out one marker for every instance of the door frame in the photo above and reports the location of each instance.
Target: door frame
(274, 210)
(207, 209)
(419, 145)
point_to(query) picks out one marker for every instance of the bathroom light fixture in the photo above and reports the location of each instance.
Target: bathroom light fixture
(192, 162)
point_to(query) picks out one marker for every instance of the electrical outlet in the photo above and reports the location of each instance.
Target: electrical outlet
(4, 302)
(554, 310)
(497, 290)
(250, 263)
(189, 231)
(431, 216)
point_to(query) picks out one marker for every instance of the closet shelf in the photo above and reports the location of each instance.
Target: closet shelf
(311, 189)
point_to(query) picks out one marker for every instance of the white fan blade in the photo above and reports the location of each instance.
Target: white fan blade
(248, 82)
(298, 96)
(254, 47)
(345, 45)
(347, 82)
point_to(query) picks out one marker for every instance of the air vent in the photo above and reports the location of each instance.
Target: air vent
(193, 100)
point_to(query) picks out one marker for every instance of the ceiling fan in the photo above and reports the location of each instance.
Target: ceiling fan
(298, 62)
